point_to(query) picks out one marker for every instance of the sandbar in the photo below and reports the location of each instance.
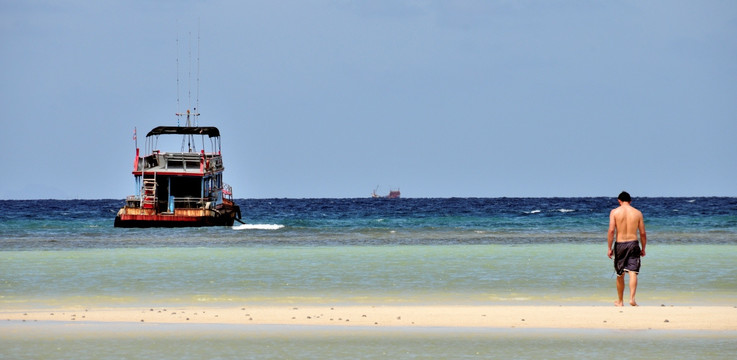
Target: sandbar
(716, 318)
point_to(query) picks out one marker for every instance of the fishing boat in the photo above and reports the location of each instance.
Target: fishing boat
(183, 188)
(393, 194)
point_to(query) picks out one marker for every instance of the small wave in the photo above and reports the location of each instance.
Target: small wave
(258, 227)
(566, 210)
(535, 211)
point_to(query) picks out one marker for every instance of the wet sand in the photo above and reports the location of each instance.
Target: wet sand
(717, 318)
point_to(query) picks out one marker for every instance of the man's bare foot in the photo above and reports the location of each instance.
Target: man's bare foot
(618, 303)
(633, 303)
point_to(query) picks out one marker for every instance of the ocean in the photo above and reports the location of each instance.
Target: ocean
(526, 251)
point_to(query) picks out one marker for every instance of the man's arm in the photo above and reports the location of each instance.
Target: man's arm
(643, 236)
(610, 234)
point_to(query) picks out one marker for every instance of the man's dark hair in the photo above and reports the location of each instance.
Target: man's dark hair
(624, 197)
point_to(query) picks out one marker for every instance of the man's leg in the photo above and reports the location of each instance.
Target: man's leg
(633, 287)
(620, 290)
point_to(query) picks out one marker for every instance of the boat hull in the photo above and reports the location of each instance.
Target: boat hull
(138, 218)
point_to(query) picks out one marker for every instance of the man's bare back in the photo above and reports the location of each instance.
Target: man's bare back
(627, 221)
(624, 224)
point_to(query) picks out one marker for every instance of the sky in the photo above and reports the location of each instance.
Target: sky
(334, 98)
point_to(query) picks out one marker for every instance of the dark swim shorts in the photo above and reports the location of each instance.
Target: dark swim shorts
(626, 256)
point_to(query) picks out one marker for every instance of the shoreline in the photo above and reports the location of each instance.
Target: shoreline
(712, 318)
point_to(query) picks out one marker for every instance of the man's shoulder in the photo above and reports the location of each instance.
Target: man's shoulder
(636, 213)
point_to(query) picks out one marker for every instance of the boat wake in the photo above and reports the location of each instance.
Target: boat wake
(258, 227)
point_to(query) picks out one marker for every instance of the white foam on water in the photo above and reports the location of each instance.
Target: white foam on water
(258, 227)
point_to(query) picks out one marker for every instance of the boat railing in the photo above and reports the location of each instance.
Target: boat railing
(227, 192)
(189, 202)
(133, 201)
(181, 160)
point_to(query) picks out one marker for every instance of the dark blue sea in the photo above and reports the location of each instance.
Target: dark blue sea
(73, 224)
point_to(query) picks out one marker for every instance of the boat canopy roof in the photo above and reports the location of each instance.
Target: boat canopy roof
(210, 131)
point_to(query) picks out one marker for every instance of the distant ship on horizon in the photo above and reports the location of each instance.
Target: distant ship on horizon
(393, 194)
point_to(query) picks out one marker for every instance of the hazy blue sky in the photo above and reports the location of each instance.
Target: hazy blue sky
(332, 98)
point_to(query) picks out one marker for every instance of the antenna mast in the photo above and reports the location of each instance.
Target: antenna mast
(178, 113)
(191, 116)
(197, 101)
(189, 73)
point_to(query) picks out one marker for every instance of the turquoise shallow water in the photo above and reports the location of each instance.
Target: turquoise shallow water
(95, 341)
(511, 274)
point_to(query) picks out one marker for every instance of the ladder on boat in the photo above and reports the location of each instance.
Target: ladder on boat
(148, 192)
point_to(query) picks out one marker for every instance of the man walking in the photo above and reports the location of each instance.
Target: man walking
(624, 224)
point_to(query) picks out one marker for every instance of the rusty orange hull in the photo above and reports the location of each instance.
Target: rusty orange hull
(138, 218)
